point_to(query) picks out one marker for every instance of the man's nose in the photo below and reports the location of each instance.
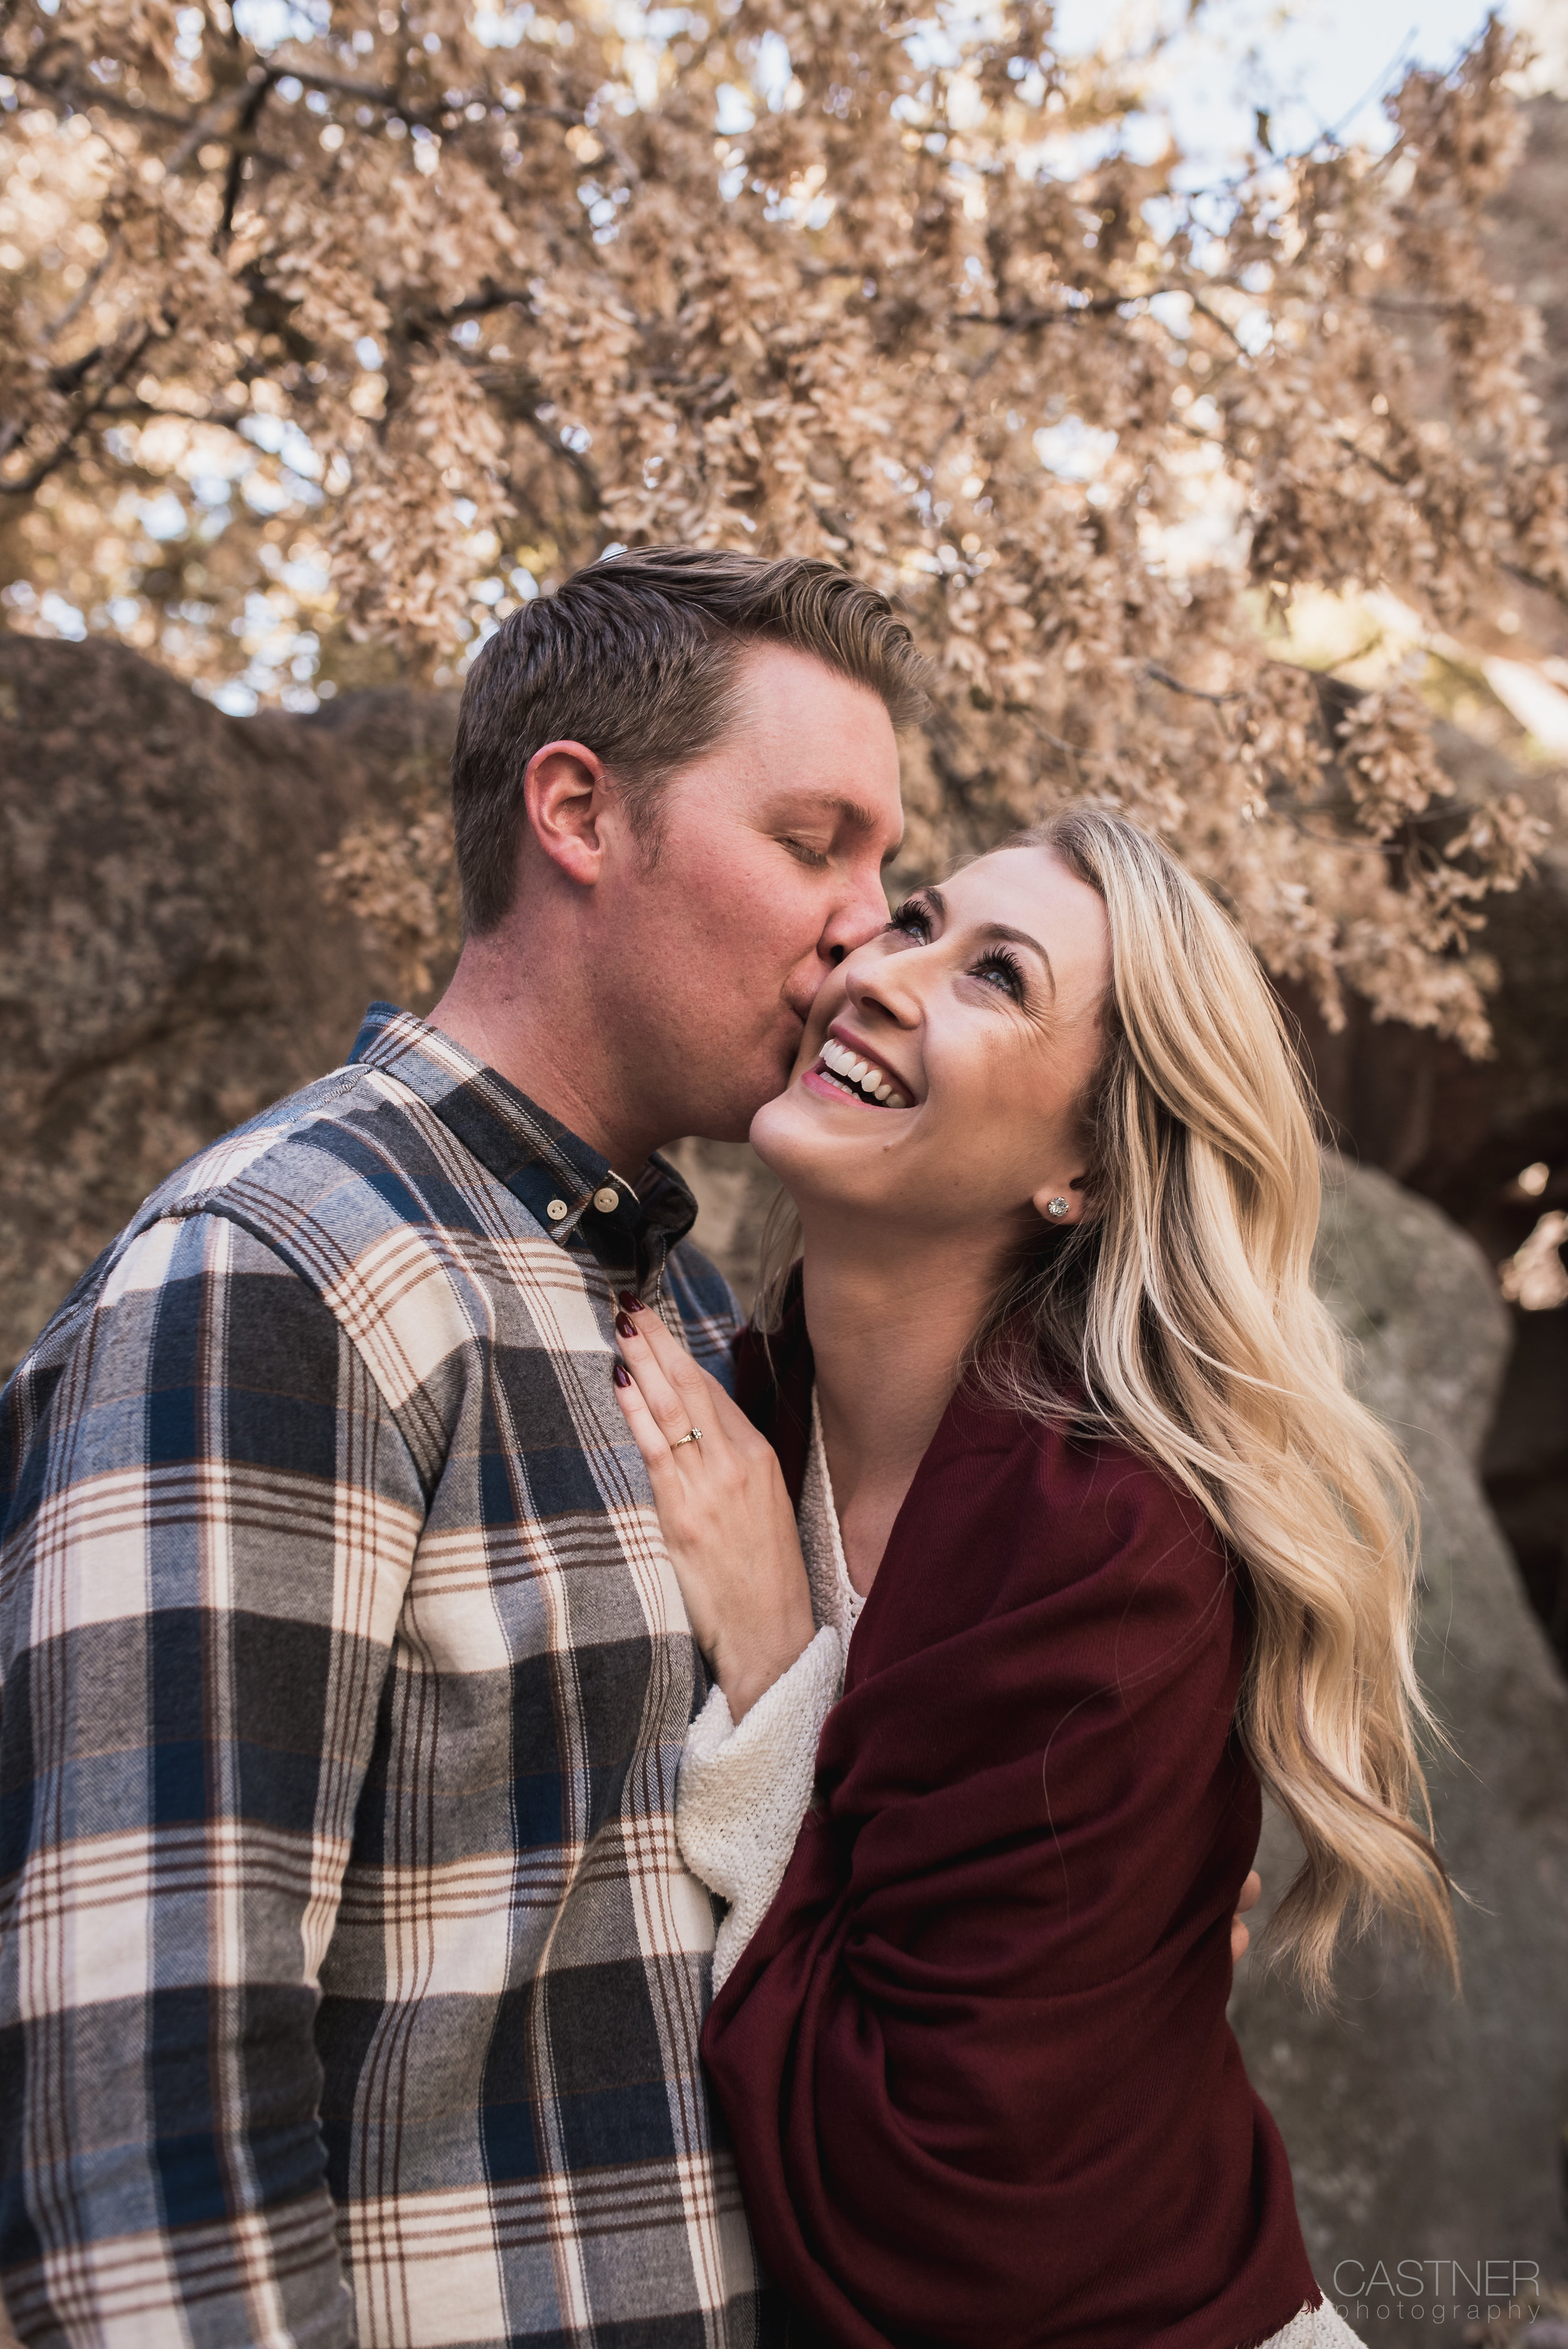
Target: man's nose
(859, 917)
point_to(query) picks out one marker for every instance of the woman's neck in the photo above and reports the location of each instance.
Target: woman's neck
(888, 1326)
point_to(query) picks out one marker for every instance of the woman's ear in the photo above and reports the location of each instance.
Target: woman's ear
(1060, 1203)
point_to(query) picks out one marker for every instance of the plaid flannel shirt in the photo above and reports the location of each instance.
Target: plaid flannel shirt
(350, 1975)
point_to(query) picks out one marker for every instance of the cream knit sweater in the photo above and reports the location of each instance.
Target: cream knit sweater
(743, 1791)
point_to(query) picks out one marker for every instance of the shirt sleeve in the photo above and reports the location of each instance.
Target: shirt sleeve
(745, 1788)
(207, 1546)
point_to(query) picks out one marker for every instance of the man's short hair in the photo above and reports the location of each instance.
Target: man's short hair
(638, 658)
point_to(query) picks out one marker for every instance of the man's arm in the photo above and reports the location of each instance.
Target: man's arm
(203, 1564)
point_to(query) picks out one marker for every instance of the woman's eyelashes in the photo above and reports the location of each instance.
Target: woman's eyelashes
(805, 852)
(998, 968)
(995, 967)
(913, 919)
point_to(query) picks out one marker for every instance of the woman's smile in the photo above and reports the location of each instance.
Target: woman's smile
(844, 1069)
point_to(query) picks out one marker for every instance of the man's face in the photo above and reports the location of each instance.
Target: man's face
(769, 872)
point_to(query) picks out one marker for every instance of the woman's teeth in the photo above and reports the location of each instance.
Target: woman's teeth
(864, 1075)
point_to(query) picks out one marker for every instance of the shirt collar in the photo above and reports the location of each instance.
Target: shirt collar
(572, 1192)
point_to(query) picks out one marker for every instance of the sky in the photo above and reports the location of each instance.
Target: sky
(1318, 63)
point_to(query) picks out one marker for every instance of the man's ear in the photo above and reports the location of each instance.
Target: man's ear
(564, 794)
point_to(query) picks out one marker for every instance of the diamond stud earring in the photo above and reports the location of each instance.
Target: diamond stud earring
(1057, 1209)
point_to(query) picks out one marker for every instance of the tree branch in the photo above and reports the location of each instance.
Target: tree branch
(1193, 692)
(226, 419)
(79, 300)
(1215, 320)
(1364, 456)
(233, 179)
(593, 496)
(208, 123)
(25, 487)
(63, 90)
(392, 101)
(194, 130)
(1025, 321)
(1022, 322)
(1552, 587)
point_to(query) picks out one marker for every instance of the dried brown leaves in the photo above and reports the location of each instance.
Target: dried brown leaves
(1089, 442)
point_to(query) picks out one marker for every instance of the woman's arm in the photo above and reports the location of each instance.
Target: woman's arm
(744, 1790)
(974, 2060)
(728, 1521)
(729, 1528)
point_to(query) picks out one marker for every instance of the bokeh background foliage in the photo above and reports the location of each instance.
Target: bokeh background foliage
(378, 318)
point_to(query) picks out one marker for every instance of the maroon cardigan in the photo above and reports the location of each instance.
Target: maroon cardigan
(976, 2062)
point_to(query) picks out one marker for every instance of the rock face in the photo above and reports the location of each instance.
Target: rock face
(1419, 2128)
(167, 962)
(1459, 1129)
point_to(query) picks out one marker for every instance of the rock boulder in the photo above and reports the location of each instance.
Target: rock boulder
(1419, 2127)
(168, 963)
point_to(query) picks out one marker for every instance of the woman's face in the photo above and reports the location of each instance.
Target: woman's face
(978, 1008)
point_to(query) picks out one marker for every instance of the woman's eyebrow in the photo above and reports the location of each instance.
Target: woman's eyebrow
(1020, 939)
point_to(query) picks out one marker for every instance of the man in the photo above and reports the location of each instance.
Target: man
(351, 1977)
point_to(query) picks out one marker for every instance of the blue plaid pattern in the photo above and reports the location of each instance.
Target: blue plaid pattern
(350, 1975)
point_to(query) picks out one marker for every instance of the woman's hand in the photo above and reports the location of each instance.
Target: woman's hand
(723, 1513)
(1251, 1892)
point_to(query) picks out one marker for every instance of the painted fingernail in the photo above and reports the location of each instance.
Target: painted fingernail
(624, 1326)
(623, 1376)
(630, 1299)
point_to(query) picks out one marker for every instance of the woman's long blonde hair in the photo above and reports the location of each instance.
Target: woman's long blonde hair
(1183, 1304)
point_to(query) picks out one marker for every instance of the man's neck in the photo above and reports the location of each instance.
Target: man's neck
(541, 1038)
(889, 1321)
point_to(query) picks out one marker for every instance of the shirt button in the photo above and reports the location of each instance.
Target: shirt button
(607, 1200)
(556, 1210)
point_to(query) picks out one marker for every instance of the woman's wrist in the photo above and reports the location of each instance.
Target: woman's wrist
(747, 1665)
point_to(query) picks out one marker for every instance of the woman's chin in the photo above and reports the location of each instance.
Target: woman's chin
(774, 1130)
(800, 1136)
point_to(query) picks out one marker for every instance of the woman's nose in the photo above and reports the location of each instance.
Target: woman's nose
(883, 983)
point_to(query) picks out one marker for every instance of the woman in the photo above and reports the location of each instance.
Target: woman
(1063, 1416)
